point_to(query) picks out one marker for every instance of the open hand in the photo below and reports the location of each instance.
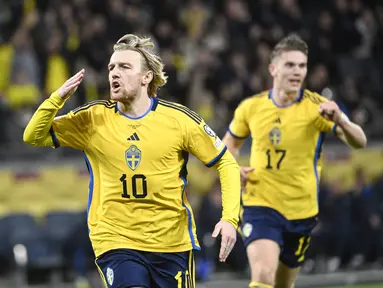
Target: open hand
(70, 86)
(229, 237)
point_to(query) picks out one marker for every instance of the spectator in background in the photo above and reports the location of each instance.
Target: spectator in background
(366, 228)
(78, 254)
(77, 34)
(331, 236)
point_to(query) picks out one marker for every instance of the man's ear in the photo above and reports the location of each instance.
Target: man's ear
(147, 77)
(272, 69)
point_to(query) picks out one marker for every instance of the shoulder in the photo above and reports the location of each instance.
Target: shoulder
(313, 98)
(250, 103)
(177, 111)
(95, 106)
(256, 98)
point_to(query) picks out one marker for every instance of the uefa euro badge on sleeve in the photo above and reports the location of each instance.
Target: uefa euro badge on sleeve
(133, 157)
(209, 131)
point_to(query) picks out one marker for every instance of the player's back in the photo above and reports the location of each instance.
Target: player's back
(285, 152)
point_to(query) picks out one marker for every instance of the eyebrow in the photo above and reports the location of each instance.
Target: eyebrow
(119, 63)
(295, 63)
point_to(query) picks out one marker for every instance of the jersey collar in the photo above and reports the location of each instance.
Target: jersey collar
(152, 107)
(285, 106)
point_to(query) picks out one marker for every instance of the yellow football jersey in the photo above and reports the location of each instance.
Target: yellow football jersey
(138, 172)
(285, 152)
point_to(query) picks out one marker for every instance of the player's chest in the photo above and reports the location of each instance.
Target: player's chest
(135, 143)
(288, 126)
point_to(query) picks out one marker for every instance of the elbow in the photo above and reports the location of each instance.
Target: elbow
(227, 161)
(361, 145)
(28, 138)
(363, 141)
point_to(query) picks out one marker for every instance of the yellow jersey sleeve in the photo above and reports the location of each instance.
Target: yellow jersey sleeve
(203, 143)
(321, 123)
(324, 125)
(39, 129)
(229, 177)
(73, 129)
(239, 127)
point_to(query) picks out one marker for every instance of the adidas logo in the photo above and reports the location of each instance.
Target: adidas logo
(134, 137)
(278, 120)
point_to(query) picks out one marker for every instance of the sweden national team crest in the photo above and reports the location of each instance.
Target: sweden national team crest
(247, 229)
(275, 136)
(109, 276)
(133, 157)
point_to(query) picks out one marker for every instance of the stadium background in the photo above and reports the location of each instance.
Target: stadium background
(216, 53)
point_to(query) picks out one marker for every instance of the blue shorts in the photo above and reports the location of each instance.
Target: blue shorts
(123, 268)
(293, 236)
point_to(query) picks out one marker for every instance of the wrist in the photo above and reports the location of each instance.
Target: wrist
(233, 222)
(343, 120)
(57, 100)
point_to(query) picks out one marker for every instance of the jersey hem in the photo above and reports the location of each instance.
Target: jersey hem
(300, 216)
(177, 249)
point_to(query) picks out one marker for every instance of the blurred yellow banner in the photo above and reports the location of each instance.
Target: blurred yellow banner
(50, 188)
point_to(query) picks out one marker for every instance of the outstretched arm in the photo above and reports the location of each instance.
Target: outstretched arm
(39, 129)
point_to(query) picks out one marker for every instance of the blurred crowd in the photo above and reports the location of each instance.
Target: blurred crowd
(216, 52)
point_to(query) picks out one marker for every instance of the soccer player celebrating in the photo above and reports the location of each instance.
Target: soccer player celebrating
(287, 125)
(136, 148)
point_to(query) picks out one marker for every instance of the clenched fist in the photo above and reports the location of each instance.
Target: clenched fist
(330, 110)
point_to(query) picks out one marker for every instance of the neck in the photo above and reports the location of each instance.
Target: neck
(283, 98)
(136, 107)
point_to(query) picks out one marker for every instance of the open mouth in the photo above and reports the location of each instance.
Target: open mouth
(295, 82)
(115, 86)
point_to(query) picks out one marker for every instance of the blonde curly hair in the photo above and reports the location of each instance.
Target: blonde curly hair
(150, 60)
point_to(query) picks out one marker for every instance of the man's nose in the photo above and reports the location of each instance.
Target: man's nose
(297, 71)
(115, 75)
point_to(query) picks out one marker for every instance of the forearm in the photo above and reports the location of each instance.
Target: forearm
(234, 151)
(351, 133)
(232, 144)
(37, 131)
(228, 171)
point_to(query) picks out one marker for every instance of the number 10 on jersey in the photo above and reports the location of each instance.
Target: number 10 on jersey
(134, 181)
